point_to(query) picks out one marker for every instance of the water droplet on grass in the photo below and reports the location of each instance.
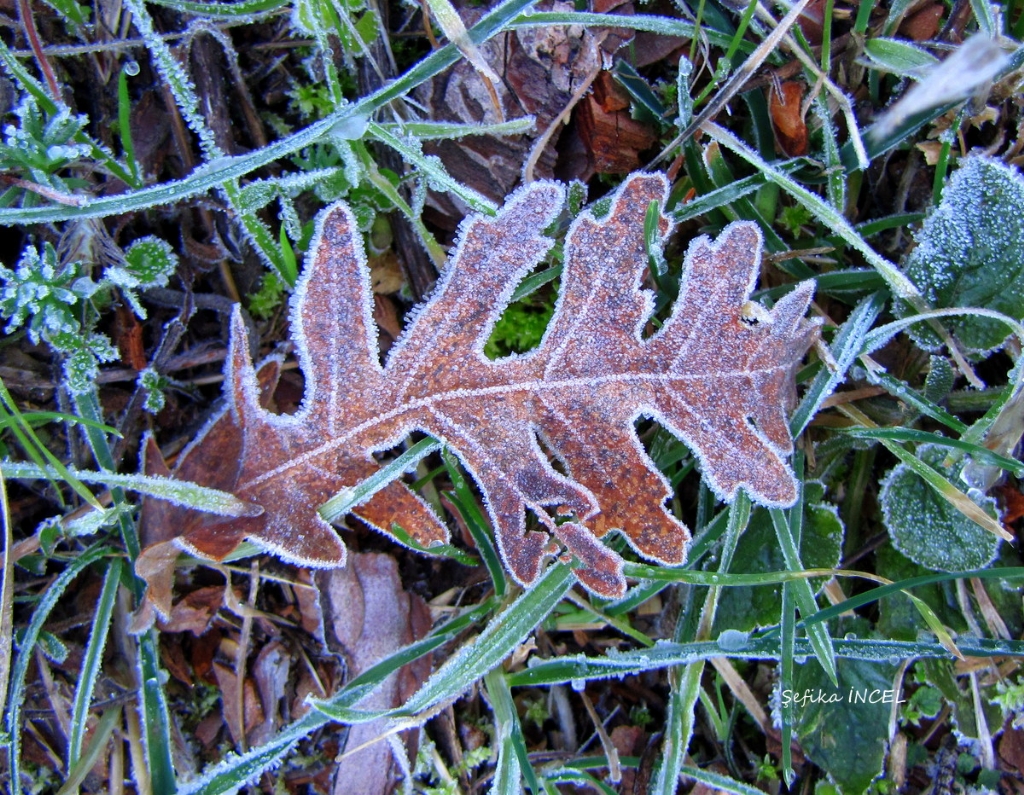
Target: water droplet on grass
(733, 640)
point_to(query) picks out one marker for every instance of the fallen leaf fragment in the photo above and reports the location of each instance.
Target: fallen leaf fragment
(612, 139)
(718, 375)
(367, 616)
(924, 24)
(271, 672)
(785, 107)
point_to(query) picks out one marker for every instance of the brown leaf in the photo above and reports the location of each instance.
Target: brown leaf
(128, 336)
(541, 68)
(250, 711)
(718, 374)
(196, 611)
(924, 24)
(784, 105)
(611, 137)
(811, 21)
(1012, 504)
(270, 671)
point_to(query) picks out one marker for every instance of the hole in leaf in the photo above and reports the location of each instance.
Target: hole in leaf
(524, 321)
(753, 314)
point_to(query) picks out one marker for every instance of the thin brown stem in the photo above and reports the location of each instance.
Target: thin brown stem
(42, 190)
(29, 23)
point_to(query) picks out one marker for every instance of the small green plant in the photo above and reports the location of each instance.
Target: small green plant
(265, 301)
(520, 328)
(55, 302)
(312, 101)
(1010, 696)
(40, 149)
(767, 771)
(536, 712)
(924, 703)
(60, 304)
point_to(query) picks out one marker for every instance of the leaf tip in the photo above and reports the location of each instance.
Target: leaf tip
(601, 569)
(240, 375)
(312, 542)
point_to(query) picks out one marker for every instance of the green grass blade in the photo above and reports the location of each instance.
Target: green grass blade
(38, 452)
(686, 682)
(804, 595)
(534, 282)
(986, 20)
(464, 502)
(579, 778)
(869, 597)
(124, 112)
(230, 774)
(152, 701)
(664, 26)
(977, 452)
(718, 782)
(16, 690)
(368, 680)
(97, 744)
(342, 503)
(180, 492)
(824, 212)
(679, 722)
(156, 717)
(581, 668)
(846, 346)
(513, 761)
(434, 171)
(786, 672)
(6, 598)
(234, 773)
(214, 10)
(881, 336)
(498, 640)
(913, 398)
(218, 172)
(447, 131)
(93, 660)
(726, 195)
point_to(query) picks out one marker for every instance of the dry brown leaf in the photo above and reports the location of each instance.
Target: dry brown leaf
(196, 611)
(250, 710)
(612, 139)
(785, 106)
(718, 374)
(271, 671)
(924, 24)
(367, 616)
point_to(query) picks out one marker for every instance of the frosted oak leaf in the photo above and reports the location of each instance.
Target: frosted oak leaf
(719, 374)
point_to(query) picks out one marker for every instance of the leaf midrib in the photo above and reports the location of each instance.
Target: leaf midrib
(436, 398)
